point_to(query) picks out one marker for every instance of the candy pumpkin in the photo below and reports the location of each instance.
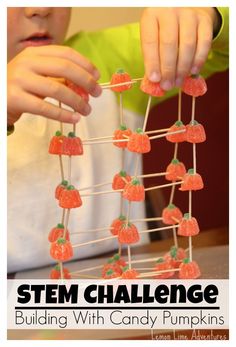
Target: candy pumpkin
(56, 144)
(139, 142)
(111, 273)
(188, 226)
(194, 85)
(129, 274)
(175, 256)
(55, 273)
(189, 270)
(195, 132)
(70, 198)
(116, 224)
(175, 170)
(120, 180)
(72, 145)
(162, 264)
(120, 76)
(119, 261)
(191, 181)
(61, 250)
(179, 137)
(128, 234)
(57, 232)
(134, 191)
(119, 135)
(63, 185)
(171, 214)
(151, 88)
(78, 90)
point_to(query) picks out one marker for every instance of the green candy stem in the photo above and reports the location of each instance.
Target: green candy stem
(64, 183)
(135, 182)
(120, 71)
(160, 260)
(191, 172)
(70, 187)
(195, 76)
(71, 134)
(60, 226)
(139, 131)
(109, 272)
(186, 261)
(123, 127)
(123, 173)
(116, 257)
(122, 217)
(175, 161)
(173, 252)
(58, 133)
(110, 261)
(186, 216)
(61, 241)
(179, 123)
(125, 268)
(194, 122)
(171, 206)
(57, 267)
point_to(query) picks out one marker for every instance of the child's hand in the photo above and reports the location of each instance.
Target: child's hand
(29, 83)
(176, 42)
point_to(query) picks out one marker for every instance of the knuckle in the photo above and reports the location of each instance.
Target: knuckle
(54, 89)
(91, 84)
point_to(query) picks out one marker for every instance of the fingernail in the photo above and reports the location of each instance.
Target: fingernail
(75, 117)
(96, 74)
(178, 81)
(154, 76)
(97, 91)
(194, 70)
(87, 109)
(166, 85)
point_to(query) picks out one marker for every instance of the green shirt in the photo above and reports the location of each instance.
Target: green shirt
(120, 47)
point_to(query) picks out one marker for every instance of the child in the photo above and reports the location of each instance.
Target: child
(177, 45)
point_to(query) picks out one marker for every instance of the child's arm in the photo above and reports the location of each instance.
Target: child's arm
(28, 83)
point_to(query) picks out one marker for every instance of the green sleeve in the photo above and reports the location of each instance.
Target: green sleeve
(120, 47)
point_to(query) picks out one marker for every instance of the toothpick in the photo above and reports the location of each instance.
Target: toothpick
(172, 194)
(129, 256)
(193, 108)
(156, 131)
(61, 168)
(84, 276)
(156, 229)
(103, 141)
(175, 219)
(151, 175)
(103, 192)
(99, 138)
(61, 124)
(95, 186)
(69, 170)
(164, 135)
(108, 86)
(147, 112)
(175, 237)
(176, 150)
(190, 204)
(121, 109)
(63, 216)
(136, 164)
(94, 241)
(179, 104)
(190, 248)
(66, 223)
(194, 158)
(74, 128)
(164, 185)
(61, 270)
(155, 273)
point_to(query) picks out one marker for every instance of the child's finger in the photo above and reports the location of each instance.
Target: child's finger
(37, 106)
(69, 54)
(59, 67)
(168, 48)
(42, 87)
(187, 45)
(205, 34)
(149, 40)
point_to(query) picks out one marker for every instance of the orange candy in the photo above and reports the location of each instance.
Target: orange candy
(151, 88)
(175, 170)
(134, 191)
(120, 180)
(189, 269)
(119, 261)
(195, 132)
(119, 135)
(175, 256)
(129, 274)
(194, 85)
(162, 264)
(57, 233)
(61, 250)
(188, 226)
(117, 224)
(62, 186)
(72, 145)
(120, 77)
(70, 198)
(179, 137)
(78, 90)
(171, 215)
(115, 263)
(128, 234)
(111, 273)
(191, 181)
(139, 142)
(56, 273)
(56, 144)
